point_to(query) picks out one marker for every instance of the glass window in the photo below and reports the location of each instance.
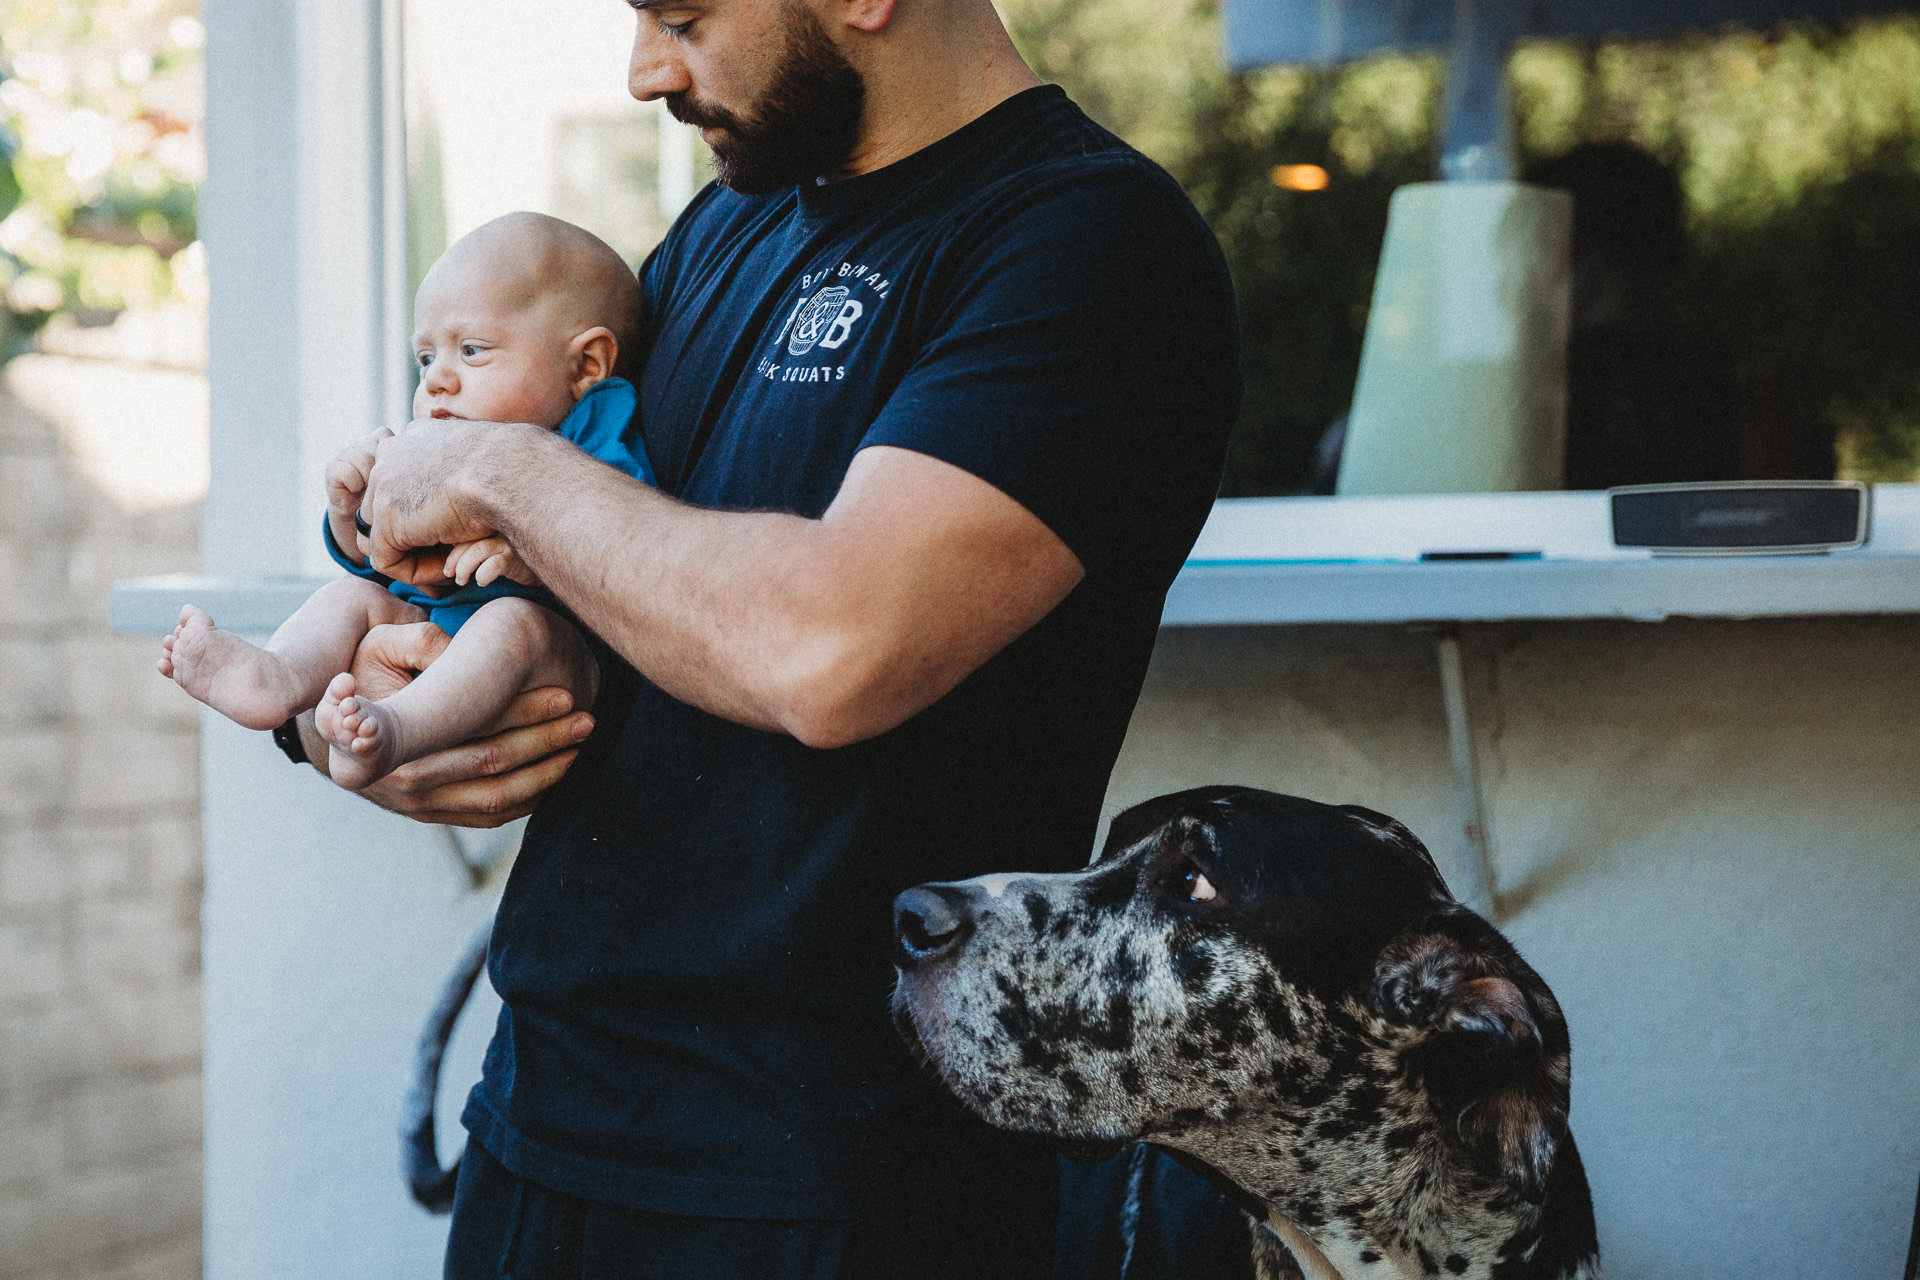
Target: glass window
(512, 107)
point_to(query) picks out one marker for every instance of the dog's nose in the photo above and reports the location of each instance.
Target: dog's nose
(928, 921)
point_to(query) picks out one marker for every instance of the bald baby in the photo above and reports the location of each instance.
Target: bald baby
(519, 319)
(523, 321)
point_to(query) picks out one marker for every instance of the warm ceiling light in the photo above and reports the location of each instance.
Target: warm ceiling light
(1300, 177)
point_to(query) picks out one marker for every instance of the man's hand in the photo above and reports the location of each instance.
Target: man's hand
(346, 483)
(484, 783)
(414, 495)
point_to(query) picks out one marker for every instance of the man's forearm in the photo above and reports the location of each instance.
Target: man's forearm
(831, 629)
(731, 611)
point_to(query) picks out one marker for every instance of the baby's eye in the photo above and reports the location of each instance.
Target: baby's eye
(425, 358)
(469, 351)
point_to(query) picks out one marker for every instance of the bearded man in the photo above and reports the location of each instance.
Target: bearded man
(937, 382)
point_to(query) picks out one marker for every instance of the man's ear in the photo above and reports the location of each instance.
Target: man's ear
(870, 16)
(1492, 1059)
(593, 355)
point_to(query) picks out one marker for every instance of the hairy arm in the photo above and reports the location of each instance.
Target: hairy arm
(832, 630)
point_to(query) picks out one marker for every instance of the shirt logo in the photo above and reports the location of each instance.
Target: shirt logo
(829, 306)
(825, 321)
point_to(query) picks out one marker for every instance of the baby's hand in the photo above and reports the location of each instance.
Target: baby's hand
(486, 561)
(346, 484)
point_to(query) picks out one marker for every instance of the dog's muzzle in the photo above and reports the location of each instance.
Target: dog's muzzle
(929, 921)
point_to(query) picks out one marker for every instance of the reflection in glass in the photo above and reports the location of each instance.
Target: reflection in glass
(511, 109)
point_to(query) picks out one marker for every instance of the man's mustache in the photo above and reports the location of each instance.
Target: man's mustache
(688, 111)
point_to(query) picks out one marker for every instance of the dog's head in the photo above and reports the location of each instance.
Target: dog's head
(1241, 963)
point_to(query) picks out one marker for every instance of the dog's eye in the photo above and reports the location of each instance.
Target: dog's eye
(1195, 882)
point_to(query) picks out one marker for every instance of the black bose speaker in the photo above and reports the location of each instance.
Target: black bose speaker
(1758, 517)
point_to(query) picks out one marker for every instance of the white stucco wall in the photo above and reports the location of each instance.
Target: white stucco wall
(329, 928)
(1706, 836)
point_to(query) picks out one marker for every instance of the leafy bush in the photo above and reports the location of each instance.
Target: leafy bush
(100, 110)
(1798, 151)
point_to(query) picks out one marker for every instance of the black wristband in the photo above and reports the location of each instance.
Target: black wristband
(287, 738)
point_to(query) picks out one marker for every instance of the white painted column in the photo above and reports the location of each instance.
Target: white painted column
(302, 215)
(249, 218)
(328, 924)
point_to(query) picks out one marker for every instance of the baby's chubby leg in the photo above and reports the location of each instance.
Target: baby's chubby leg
(507, 647)
(261, 688)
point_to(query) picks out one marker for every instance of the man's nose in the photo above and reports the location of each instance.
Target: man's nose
(930, 921)
(655, 69)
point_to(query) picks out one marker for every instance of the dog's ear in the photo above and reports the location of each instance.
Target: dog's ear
(1392, 831)
(1491, 1057)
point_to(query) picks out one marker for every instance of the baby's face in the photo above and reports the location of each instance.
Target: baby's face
(487, 356)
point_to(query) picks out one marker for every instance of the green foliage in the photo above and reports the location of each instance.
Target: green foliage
(1144, 68)
(1302, 262)
(1798, 150)
(100, 108)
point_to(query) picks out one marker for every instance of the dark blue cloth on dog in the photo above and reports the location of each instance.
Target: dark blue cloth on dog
(1143, 1216)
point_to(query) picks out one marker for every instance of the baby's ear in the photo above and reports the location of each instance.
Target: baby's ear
(594, 355)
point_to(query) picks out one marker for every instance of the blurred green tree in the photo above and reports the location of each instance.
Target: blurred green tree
(101, 104)
(1798, 150)
(1302, 261)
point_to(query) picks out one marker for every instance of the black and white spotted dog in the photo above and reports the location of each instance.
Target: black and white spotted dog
(1286, 993)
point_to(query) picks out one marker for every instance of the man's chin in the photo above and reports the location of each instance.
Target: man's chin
(751, 180)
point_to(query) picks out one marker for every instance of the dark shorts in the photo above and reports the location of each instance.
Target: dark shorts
(505, 1226)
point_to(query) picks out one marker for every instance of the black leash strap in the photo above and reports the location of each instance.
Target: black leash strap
(431, 1185)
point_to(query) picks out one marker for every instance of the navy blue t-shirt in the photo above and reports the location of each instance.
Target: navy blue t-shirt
(693, 947)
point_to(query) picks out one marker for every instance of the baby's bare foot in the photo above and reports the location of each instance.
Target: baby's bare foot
(363, 737)
(243, 682)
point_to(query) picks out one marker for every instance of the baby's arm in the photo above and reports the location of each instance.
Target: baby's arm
(346, 484)
(507, 647)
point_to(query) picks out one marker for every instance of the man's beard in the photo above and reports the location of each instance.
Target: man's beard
(803, 126)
